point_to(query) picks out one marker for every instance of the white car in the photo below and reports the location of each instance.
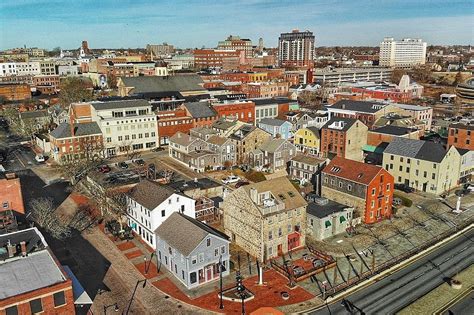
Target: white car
(231, 179)
(39, 158)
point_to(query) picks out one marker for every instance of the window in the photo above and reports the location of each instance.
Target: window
(59, 299)
(208, 242)
(270, 235)
(12, 310)
(373, 191)
(279, 232)
(388, 186)
(270, 251)
(36, 306)
(163, 213)
(193, 260)
(340, 184)
(201, 257)
(192, 277)
(349, 187)
(216, 251)
(372, 204)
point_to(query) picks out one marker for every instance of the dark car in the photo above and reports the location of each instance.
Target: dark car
(103, 169)
(140, 162)
(157, 149)
(241, 183)
(123, 165)
(404, 188)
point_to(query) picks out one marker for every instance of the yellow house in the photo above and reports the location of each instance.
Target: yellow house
(307, 140)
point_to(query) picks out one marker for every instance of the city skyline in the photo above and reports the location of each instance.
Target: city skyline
(189, 24)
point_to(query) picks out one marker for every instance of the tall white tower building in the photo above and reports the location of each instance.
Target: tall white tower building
(403, 53)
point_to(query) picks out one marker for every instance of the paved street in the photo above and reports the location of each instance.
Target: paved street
(413, 281)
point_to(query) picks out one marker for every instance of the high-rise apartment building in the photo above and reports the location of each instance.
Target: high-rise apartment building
(407, 52)
(296, 49)
(236, 43)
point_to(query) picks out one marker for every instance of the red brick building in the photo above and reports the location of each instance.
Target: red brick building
(213, 58)
(368, 188)
(172, 121)
(11, 197)
(242, 110)
(388, 94)
(386, 134)
(266, 89)
(460, 136)
(46, 84)
(15, 91)
(45, 288)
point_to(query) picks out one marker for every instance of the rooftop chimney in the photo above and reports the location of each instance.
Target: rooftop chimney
(23, 248)
(11, 249)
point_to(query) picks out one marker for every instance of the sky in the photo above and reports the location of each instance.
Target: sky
(192, 23)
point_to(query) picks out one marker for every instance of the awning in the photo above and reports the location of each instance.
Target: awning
(80, 295)
(371, 148)
(342, 219)
(327, 224)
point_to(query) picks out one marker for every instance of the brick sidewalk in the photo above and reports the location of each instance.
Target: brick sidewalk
(154, 301)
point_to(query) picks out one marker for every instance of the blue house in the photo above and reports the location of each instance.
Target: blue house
(276, 127)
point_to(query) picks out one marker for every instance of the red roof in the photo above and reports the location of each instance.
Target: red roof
(352, 170)
(11, 197)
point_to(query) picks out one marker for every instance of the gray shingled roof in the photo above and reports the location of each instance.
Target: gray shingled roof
(184, 233)
(418, 149)
(272, 122)
(119, 104)
(271, 145)
(200, 109)
(358, 106)
(394, 130)
(150, 194)
(34, 114)
(83, 129)
(150, 84)
(323, 210)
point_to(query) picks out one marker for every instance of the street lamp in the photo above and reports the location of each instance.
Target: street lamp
(221, 270)
(241, 289)
(133, 294)
(149, 263)
(115, 306)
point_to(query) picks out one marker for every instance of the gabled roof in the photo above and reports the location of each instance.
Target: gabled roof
(184, 233)
(417, 149)
(150, 194)
(273, 122)
(180, 83)
(357, 172)
(279, 186)
(308, 159)
(272, 145)
(34, 114)
(182, 139)
(83, 129)
(119, 104)
(322, 210)
(217, 140)
(358, 106)
(200, 109)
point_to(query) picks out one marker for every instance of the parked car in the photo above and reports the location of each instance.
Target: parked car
(157, 149)
(140, 162)
(123, 165)
(39, 158)
(241, 183)
(231, 179)
(469, 187)
(404, 188)
(104, 169)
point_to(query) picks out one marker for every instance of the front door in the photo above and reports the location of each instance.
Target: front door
(209, 273)
(425, 186)
(280, 249)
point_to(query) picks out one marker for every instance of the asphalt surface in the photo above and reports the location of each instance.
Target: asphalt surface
(400, 289)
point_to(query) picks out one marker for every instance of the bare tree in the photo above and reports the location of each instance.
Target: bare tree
(74, 89)
(44, 214)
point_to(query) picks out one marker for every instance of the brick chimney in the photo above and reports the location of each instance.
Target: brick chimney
(11, 249)
(23, 248)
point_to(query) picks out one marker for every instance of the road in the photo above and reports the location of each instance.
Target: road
(396, 291)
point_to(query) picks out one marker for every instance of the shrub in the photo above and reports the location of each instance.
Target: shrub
(405, 201)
